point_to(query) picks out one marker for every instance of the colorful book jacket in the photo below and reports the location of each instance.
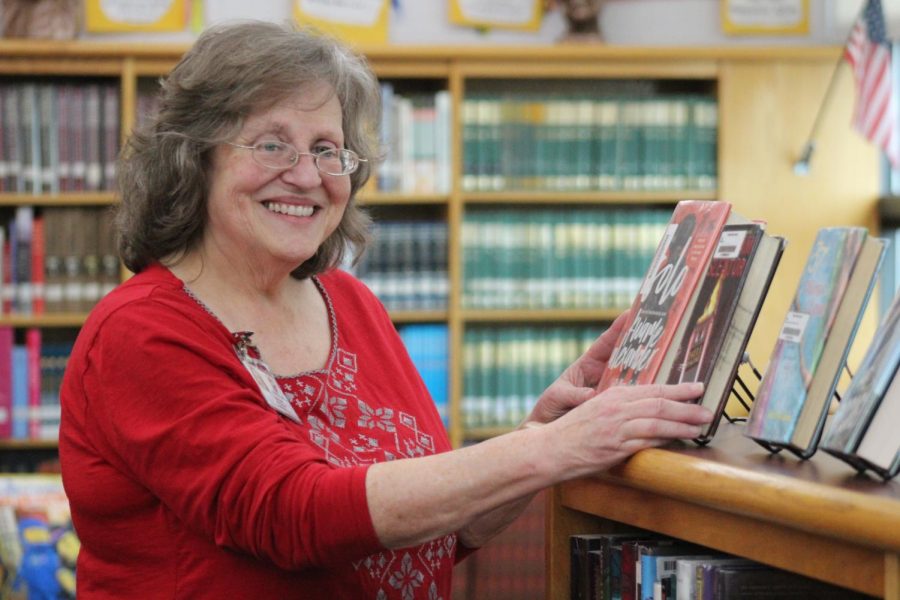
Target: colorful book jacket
(871, 381)
(716, 303)
(677, 267)
(783, 389)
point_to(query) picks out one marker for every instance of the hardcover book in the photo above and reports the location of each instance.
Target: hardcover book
(666, 292)
(867, 389)
(793, 397)
(880, 445)
(722, 319)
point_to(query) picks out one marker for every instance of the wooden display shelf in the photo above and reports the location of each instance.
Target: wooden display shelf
(636, 198)
(541, 315)
(66, 199)
(44, 320)
(817, 517)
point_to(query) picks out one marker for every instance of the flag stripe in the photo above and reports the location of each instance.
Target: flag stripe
(869, 55)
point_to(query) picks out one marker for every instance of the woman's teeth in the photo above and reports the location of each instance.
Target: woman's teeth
(290, 209)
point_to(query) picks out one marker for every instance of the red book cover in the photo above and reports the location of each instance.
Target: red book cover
(33, 351)
(677, 268)
(6, 344)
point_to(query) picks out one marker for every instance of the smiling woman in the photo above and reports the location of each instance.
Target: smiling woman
(248, 410)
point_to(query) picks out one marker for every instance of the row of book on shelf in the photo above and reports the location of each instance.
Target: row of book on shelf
(38, 545)
(557, 257)
(505, 369)
(405, 265)
(33, 361)
(696, 309)
(581, 142)
(58, 136)
(642, 565)
(415, 133)
(61, 259)
(31, 372)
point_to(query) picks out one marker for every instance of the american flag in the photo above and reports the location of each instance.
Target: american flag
(869, 53)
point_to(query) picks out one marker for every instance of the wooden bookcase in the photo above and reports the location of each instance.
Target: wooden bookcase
(767, 98)
(816, 517)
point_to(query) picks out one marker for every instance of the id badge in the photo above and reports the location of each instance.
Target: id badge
(264, 378)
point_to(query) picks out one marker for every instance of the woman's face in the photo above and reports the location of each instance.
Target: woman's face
(274, 218)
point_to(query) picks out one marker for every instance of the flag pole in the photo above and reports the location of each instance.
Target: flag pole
(801, 165)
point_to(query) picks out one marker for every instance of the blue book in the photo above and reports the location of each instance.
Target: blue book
(428, 347)
(796, 391)
(19, 392)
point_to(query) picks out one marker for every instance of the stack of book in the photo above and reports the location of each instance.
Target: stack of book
(58, 137)
(61, 259)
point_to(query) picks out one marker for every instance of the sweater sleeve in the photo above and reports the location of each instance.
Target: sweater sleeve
(169, 404)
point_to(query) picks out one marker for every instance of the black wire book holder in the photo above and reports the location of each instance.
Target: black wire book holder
(774, 447)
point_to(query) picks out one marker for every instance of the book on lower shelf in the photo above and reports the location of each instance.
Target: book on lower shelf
(665, 568)
(795, 393)
(875, 385)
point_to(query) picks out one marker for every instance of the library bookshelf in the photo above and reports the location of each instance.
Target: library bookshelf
(766, 99)
(815, 517)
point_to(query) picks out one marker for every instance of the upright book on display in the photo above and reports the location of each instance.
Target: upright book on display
(727, 306)
(792, 402)
(680, 261)
(872, 385)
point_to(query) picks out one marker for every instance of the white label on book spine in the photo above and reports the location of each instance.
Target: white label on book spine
(793, 327)
(730, 244)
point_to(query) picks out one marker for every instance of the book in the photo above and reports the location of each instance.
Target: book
(739, 327)
(659, 562)
(755, 581)
(870, 384)
(6, 384)
(600, 564)
(666, 292)
(579, 547)
(879, 447)
(727, 305)
(796, 390)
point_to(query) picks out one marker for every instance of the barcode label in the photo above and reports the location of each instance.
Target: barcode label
(730, 243)
(793, 327)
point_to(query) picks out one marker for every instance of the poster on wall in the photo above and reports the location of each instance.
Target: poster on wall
(506, 14)
(103, 16)
(355, 21)
(765, 17)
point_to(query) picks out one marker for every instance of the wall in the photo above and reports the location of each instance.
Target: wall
(627, 22)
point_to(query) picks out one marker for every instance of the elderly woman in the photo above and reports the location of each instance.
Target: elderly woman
(240, 418)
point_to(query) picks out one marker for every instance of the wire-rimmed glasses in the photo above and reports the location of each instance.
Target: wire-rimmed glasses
(281, 155)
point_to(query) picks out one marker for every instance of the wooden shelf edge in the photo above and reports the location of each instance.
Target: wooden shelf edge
(639, 198)
(26, 445)
(45, 320)
(64, 199)
(803, 505)
(541, 315)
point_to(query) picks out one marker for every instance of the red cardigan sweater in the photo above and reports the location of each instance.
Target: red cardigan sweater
(184, 483)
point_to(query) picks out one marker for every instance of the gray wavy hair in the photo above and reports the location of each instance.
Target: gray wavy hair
(232, 71)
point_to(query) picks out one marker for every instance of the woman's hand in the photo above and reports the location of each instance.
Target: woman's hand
(579, 381)
(611, 426)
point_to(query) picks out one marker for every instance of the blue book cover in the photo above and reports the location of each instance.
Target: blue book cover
(785, 384)
(869, 384)
(19, 392)
(428, 347)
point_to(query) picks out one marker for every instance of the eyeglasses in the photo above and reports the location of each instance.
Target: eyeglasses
(279, 155)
